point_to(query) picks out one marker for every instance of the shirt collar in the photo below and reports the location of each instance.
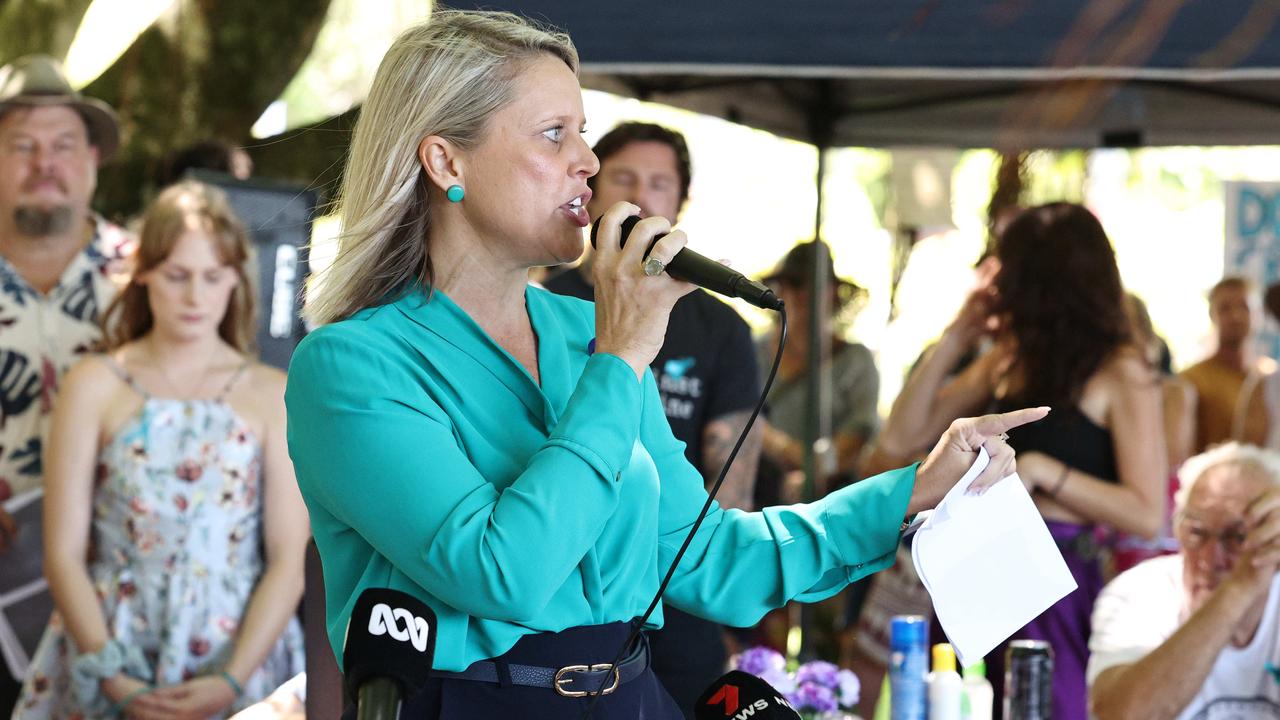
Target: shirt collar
(439, 315)
(104, 254)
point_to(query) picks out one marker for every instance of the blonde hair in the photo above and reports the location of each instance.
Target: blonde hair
(172, 213)
(444, 77)
(1264, 462)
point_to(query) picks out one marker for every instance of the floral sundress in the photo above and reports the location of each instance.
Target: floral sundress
(175, 553)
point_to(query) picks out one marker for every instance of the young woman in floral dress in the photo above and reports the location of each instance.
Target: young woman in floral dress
(174, 530)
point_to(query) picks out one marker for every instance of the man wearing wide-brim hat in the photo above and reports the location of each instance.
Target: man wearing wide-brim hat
(56, 258)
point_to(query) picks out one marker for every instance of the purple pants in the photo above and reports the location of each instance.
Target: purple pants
(1066, 626)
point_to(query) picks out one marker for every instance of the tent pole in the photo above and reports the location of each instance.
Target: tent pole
(815, 422)
(817, 453)
(817, 436)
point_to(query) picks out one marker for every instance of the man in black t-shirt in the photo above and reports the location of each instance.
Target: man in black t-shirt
(706, 373)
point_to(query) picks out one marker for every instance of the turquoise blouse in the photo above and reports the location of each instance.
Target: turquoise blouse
(431, 462)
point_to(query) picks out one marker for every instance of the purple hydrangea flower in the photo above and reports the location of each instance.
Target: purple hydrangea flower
(760, 660)
(818, 672)
(781, 680)
(850, 689)
(812, 696)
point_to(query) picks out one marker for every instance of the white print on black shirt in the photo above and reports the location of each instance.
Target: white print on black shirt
(679, 388)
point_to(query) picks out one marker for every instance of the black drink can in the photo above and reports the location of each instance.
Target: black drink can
(1028, 681)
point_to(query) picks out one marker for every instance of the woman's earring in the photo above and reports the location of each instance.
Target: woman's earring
(455, 193)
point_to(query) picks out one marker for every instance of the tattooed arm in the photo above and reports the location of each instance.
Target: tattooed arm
(718, 438)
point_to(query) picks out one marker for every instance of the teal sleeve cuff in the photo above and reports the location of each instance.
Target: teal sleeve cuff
(864, 520)
(602, 418)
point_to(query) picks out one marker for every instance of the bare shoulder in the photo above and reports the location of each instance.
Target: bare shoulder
(1127, 366)
(261, 390)
(258, 395)
(91, 378)
(265, 378)
(1265, 366)
(1177, 387)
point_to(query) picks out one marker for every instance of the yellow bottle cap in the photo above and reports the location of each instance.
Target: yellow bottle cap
(944, 658)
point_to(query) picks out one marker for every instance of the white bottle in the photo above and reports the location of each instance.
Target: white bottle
(946, 689)
(979, 696)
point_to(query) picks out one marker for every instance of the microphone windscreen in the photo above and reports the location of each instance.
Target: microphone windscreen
(391, 634)
(738, 695)
(624, 230)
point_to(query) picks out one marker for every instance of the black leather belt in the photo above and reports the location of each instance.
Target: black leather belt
(568, 681)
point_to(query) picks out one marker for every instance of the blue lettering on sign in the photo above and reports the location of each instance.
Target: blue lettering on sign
(1256, 214)
(1253, 250)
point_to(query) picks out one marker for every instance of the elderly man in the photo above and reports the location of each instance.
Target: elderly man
(1197, 635)
(55, 260)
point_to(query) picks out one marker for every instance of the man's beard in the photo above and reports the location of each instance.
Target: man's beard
(43, 222)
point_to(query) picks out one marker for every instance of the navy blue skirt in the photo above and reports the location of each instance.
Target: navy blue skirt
(455, 699)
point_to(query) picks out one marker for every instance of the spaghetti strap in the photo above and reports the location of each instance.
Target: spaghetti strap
(124, 375)
(226, 389)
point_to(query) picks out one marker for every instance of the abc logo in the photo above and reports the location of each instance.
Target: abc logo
(384, 620)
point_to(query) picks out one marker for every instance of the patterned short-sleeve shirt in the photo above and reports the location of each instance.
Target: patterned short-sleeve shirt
(40, 337)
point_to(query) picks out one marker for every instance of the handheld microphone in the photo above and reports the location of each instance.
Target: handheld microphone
(738, 695)
(391, 639)
(704, 272)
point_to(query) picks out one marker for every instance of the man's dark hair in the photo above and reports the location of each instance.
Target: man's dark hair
(1272, 300)
(1234, 282)
(209, 154)
(626, 133)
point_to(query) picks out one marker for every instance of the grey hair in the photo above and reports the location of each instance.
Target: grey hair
(1265, 462)
(444, 77)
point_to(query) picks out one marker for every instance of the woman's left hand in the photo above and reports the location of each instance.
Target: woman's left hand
(955, 452)
(194, 699)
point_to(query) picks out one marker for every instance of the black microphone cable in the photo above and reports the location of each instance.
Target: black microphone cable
(697, 523)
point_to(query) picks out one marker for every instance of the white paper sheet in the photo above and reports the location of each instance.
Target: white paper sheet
(989, 563)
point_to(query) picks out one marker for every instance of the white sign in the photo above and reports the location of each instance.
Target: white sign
(1253, 243)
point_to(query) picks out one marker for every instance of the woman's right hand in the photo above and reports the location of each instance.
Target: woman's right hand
(975, 317)
(955, 452)
(632, 308)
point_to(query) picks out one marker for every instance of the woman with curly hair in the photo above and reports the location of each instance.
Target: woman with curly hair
(1057, 310)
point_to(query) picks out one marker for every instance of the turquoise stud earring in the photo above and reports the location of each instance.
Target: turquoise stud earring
(455, 193)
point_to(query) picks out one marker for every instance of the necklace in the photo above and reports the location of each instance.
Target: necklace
(200, 381)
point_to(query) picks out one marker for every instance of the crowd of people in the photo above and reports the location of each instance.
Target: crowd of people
(528, 464)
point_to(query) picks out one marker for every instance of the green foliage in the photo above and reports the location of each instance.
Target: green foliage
(203, 69)
(38, 26)
(1055, 175)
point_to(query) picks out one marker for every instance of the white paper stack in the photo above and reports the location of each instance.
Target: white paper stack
(989, 563)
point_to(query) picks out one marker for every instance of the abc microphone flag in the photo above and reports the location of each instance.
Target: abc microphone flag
(391, 640)
(738, 695)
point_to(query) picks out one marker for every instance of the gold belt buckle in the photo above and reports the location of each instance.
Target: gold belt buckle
(559, 679)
